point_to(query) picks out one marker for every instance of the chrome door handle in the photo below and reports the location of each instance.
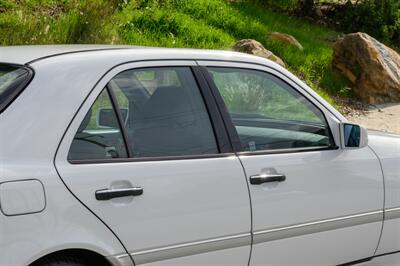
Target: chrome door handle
(107, 194)
(266, 178)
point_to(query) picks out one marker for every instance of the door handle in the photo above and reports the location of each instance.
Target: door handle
(266, 178)
(107, 194)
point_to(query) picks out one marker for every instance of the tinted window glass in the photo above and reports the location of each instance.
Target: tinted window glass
(99, 135)
(166, 113)
(11, 79)
(268, 113)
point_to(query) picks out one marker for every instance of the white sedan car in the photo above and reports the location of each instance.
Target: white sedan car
(140, 156)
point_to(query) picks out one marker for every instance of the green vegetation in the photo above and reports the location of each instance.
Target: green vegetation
(249, 92)
(56, 22)
(214, 24)
(379, 18)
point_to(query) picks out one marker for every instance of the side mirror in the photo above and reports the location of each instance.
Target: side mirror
(105, 117)
(353, 136)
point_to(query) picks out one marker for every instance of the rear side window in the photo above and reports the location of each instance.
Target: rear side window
(99, 136)
(167, 115)
(13, 79)
(158, 112)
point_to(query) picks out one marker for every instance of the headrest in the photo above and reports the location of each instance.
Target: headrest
(167, 100)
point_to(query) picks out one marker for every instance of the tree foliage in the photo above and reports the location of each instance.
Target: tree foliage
(379, 18)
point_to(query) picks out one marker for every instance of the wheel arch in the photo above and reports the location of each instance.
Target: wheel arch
(87, 255)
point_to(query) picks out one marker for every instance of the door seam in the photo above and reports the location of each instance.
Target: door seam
(251, 211)
(384, 199)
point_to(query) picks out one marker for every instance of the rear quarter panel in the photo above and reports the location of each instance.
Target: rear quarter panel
(30, 131)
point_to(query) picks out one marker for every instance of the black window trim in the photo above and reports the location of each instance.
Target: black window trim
(20, 88)
(223, 110)
(217, 122)
(223, 142)
(120, 119)
(231, 127)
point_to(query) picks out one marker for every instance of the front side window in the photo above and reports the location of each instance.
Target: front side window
(267, 113)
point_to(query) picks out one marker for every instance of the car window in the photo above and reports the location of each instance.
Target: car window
(99, 135)
(11, 79)
(268, 114)
(167, 115)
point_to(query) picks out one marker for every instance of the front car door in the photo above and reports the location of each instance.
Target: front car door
(313, 203)
(147, 155)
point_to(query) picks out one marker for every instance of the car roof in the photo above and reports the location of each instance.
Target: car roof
(25, 54)
(103, 58)
(29, 54)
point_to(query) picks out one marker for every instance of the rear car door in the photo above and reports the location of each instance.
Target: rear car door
(313, 203)
(147, 154)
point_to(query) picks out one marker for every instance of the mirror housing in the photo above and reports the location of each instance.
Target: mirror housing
(353, 136)
(105, 117)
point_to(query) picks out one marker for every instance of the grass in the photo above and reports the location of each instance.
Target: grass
(213, 24)
(56, 22)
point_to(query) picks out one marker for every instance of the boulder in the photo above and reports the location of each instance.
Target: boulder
(285, 38)
(372, 67)
(253, 47)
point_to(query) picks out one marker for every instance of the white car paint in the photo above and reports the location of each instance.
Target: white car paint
(22, 197)
(320, 186)
(156, 220)
(387, 147)
(329, 211)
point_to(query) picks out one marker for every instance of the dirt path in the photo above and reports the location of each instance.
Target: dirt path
(384, 117)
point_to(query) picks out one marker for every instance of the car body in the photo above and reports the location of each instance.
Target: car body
(150, 156)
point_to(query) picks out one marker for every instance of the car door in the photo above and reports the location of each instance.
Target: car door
(313, 203)
(147, 154)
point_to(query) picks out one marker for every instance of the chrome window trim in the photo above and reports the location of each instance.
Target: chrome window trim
(286, 151)
(152, 159)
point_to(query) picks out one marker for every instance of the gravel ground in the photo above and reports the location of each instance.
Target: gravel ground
(385, 117)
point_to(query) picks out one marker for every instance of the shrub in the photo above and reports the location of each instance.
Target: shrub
(379, 18)
(282, 5)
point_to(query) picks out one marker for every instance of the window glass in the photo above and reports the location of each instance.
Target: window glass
(166, 112)
(267, 113)
(99, 135)
(11, 78)
(123, 102)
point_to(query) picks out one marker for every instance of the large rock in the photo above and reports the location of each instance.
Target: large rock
(286, 38)
(253, 47)
(372, 67)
